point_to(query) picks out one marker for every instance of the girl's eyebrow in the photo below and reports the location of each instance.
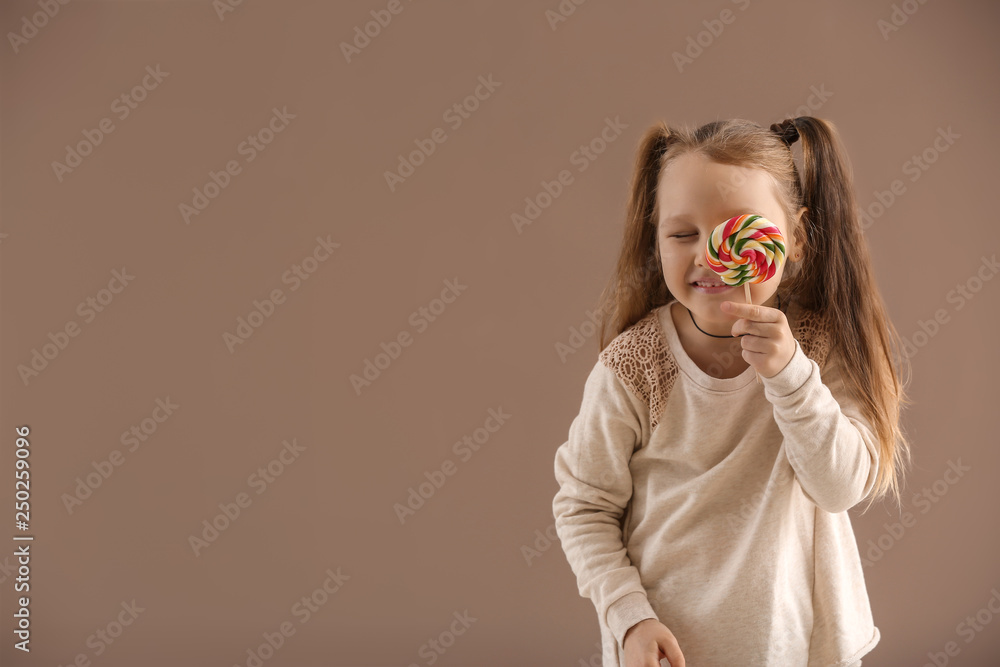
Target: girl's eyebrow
(685, 217)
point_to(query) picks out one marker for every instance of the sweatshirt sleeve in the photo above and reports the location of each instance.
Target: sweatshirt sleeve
(829, 443)
(592, 469)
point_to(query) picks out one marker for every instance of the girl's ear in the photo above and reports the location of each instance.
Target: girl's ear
(799, 243)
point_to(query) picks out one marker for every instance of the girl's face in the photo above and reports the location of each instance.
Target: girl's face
(694, 196)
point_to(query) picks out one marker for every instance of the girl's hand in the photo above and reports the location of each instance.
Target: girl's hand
(649, 641)
(769, 344)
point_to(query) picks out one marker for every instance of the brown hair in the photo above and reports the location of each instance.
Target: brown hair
(834, 278)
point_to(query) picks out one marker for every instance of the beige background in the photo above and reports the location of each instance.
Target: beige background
(493, 347)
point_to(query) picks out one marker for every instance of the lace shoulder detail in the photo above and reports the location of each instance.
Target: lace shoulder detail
(813, 334)
(642, 360)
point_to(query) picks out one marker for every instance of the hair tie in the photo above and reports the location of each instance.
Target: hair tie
(786, 131)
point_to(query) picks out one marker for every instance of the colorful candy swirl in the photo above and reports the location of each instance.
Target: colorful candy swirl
(747, 248)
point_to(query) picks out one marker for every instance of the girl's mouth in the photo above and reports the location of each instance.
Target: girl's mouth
(710, 287)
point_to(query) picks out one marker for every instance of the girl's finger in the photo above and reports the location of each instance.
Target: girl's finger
(745, 326)
(752, 311)
(753, 343)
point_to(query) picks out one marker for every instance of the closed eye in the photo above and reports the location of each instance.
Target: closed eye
(680, 236)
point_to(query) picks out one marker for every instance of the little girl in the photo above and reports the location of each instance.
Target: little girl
(704, 514)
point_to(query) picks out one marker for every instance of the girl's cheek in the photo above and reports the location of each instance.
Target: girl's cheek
(676, 257)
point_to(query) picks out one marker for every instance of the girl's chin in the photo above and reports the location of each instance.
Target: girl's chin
(710, 316)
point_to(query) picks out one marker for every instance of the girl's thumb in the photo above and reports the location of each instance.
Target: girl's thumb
(672, 653)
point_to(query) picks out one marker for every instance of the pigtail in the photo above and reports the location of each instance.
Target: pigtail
(637, 285)
(836, 280)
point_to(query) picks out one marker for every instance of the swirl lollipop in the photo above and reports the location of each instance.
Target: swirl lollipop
(746, 249)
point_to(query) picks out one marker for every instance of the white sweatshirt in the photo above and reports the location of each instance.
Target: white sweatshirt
(732, 496)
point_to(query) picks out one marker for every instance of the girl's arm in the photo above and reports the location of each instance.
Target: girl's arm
(592, 469)
(828, 442)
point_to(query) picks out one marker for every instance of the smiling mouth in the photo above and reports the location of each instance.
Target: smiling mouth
(706, 284)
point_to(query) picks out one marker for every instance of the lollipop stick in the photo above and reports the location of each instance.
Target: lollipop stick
(746, 288)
